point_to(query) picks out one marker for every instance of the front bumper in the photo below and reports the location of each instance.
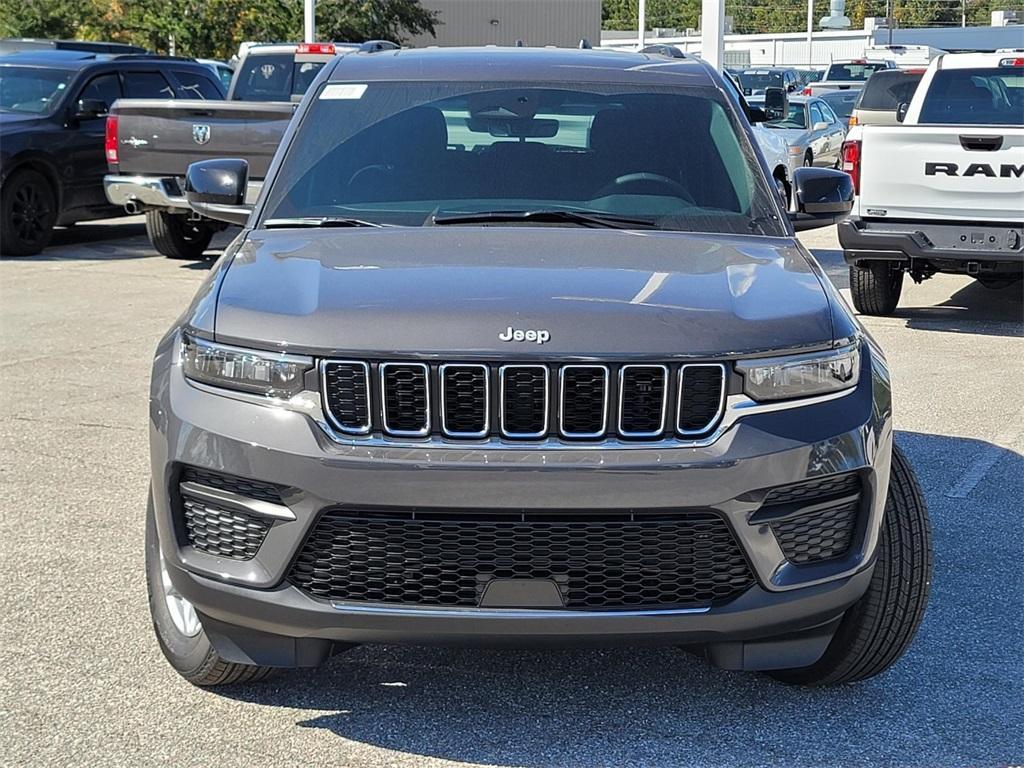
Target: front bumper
(947, 245)
(253, 614)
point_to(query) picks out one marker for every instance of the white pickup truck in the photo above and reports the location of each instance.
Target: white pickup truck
(944, 190)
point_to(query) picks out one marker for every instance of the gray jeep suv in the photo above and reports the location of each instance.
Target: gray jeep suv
(518, 347)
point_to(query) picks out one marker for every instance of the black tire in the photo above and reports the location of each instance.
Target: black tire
(876, 287)
(783, 189)
(879, 627)
(808, 159)
(173, 235)
(28, 211)
(193, 657)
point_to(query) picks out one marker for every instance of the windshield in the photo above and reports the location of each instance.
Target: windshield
(975, 97)
(796, 118)
(34, 90)
(274, 77)
(853, 72)
(415, 153)
(758, 79)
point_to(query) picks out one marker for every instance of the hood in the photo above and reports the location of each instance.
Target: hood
(16, 121)
(451, 291)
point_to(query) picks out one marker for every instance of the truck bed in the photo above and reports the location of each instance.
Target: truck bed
(161, 137)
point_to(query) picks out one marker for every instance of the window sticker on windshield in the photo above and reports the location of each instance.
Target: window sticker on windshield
(343, 91)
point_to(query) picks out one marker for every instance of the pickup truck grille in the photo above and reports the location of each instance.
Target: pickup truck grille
(601, 560)
(527, 401)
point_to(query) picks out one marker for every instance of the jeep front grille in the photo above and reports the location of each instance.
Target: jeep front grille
(596, 560)
(524, 401)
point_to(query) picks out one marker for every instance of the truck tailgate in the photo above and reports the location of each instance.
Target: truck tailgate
(160, 137)
(942, 172)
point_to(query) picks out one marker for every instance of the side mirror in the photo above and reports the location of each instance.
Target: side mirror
(89, 109)
(776, 103)
(901, 111)
(820, 126)
(216, 189)
(823, 197)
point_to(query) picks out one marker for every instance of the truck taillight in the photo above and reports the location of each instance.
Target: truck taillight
(1017, 62)
(806, 91)
(327, 48)
(851, 162)
(110, 142)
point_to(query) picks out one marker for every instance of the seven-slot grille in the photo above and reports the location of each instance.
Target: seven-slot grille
(524, 401)
(597, 560)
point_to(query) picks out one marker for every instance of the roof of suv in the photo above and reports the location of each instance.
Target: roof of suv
(527, 64)
(76, 60)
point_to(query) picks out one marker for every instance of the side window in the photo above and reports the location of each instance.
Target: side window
(830, 116)
(816, 116)
(106, 88)
(146, 85)
(195, 85)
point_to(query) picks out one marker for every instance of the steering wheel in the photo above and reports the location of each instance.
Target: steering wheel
(379, 168)
(615, 187)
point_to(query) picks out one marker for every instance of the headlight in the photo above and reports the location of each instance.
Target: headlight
(781, 378)
(265, 373)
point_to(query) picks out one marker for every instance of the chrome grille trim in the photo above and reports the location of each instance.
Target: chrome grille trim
(664, 399)
(487, 400)
(502, 372)
(423, 431)
(679, 398)
(365, 429)
(561, 401)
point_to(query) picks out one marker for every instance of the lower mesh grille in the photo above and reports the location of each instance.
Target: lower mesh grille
(254, 489)
(223, 532)
(632, 561)
(817, 536)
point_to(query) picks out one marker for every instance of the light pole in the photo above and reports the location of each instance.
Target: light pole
(810, 32)
(712, 32)
(642, 23)
(309, 20)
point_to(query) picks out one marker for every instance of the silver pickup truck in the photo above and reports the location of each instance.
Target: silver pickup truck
(151, 142)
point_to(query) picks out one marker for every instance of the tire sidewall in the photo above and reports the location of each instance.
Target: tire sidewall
(185, 654)
(14, 245)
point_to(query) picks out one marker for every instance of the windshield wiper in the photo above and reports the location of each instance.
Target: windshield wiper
(590, 219)
(319, 221)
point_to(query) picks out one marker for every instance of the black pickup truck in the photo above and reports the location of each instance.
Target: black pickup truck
(53, 108)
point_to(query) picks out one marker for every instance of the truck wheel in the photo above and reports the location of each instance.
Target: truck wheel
(173, 235)
(808, 159)
(879, 627)
(876, 287)
(178, 630)
(28, 211)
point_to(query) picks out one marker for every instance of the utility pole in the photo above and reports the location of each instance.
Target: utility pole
(712, 32)
(309, 20)
(642, 23)
(963, 13)
(890, 18)
(810, 32)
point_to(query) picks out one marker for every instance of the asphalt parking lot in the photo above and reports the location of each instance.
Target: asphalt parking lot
(82, 681)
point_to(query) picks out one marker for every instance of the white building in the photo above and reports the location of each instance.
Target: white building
(504, 22)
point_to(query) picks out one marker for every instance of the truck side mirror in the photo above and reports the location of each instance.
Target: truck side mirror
(901, 111)
(776, 103)
(216, 189)
(89, 109)
(823, 197)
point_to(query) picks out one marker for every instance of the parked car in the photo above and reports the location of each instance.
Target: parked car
(53, 109)
(754, 80)
(944, 191)
(39, 45)
(153, 142)
(812, 132)
(841, 102)
(846, 75)
(882, 94)
(223, 71)
(472, 375)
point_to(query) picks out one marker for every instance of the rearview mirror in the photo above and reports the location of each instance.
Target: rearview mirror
(216, 189)
(776, 103)
(88, 109)
(901, 111)
(823, 197)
